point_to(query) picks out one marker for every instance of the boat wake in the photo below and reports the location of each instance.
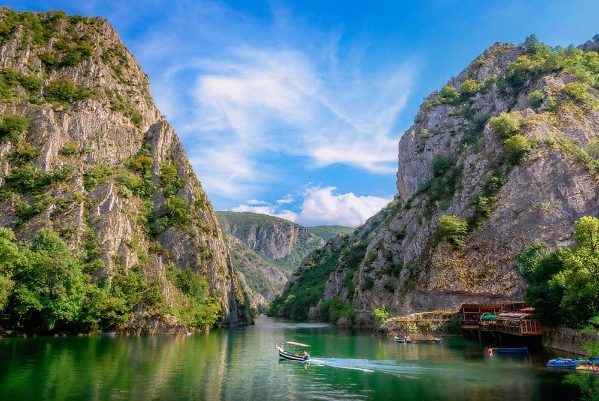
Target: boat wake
(365, 365)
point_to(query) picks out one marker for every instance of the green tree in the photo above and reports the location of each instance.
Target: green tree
(537, 265)
(9, 256)
(381, 314)
(50, 285)
(580, 276)
(453, 229)
(532, 45)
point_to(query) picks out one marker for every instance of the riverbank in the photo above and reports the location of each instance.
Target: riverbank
(566, 339)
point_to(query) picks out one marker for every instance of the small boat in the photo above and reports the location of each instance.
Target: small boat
(588, 366)
(426, 340)
(517, 350)
(562, 363)
(402, 339)
(294, 351)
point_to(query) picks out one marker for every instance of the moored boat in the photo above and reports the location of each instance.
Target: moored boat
(588, 366)
(402, 339)
(426, 340)
(572, 363)
(503, 350)
(562, 363)
(293, 351)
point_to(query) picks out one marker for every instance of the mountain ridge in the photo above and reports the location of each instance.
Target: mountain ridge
(501, 157)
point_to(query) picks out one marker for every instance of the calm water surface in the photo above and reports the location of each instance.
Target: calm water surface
(242, 364)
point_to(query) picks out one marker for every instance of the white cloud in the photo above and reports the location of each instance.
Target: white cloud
(286, 199)
(256, 202)
(323, 207)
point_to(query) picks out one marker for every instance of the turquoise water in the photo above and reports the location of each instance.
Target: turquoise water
(242, 364)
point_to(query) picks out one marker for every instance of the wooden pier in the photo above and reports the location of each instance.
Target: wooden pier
(514, 318)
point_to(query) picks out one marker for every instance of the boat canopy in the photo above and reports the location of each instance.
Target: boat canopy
(296, 344)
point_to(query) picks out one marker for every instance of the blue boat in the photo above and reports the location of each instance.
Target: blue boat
(562, 363)
(572, 363)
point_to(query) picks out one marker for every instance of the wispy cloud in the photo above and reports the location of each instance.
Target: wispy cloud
(272, 90)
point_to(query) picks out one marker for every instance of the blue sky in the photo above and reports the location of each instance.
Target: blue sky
(295, 108)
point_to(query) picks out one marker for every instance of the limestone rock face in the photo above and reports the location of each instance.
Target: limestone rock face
(453, 162)
(129, 177)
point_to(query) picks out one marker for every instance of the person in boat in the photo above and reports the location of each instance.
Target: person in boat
(305, 355)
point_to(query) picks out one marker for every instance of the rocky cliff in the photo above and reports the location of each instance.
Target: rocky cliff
(267, 249)
(507, 151)
(85, 152)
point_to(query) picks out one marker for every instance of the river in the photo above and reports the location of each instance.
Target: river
(242, 364)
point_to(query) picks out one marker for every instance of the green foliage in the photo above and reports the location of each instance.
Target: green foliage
(26, 152)
(96, 176)
(13, 126)
(48, 58)
(334, 309)
(535, 98)
(176, 212)
(170, 181)
(69, 149)
(296, 301)
(143, 188)
(381, 314)
(537, 265)
(102, 309)
(12, 80)
(448, 95)
(50, 285)
(28, 178)
(328, 232)
(446, 179)
(469, 87)
(533, 46)
(579, 92)
(453, 229)
(202, 311)
(64, 90)
(506, 124)
(564, 284)
(367, 283)
(516, 148)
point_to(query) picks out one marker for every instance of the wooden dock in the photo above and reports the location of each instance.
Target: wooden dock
(514, 318)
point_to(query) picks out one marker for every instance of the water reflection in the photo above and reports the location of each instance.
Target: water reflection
(243, 364)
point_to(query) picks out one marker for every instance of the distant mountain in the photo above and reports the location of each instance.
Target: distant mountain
(266, 249)
(328, 232)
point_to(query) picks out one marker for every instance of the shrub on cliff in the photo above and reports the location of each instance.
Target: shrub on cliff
(517, 148)
(12, 127)
(506, 124)
(453, 229)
